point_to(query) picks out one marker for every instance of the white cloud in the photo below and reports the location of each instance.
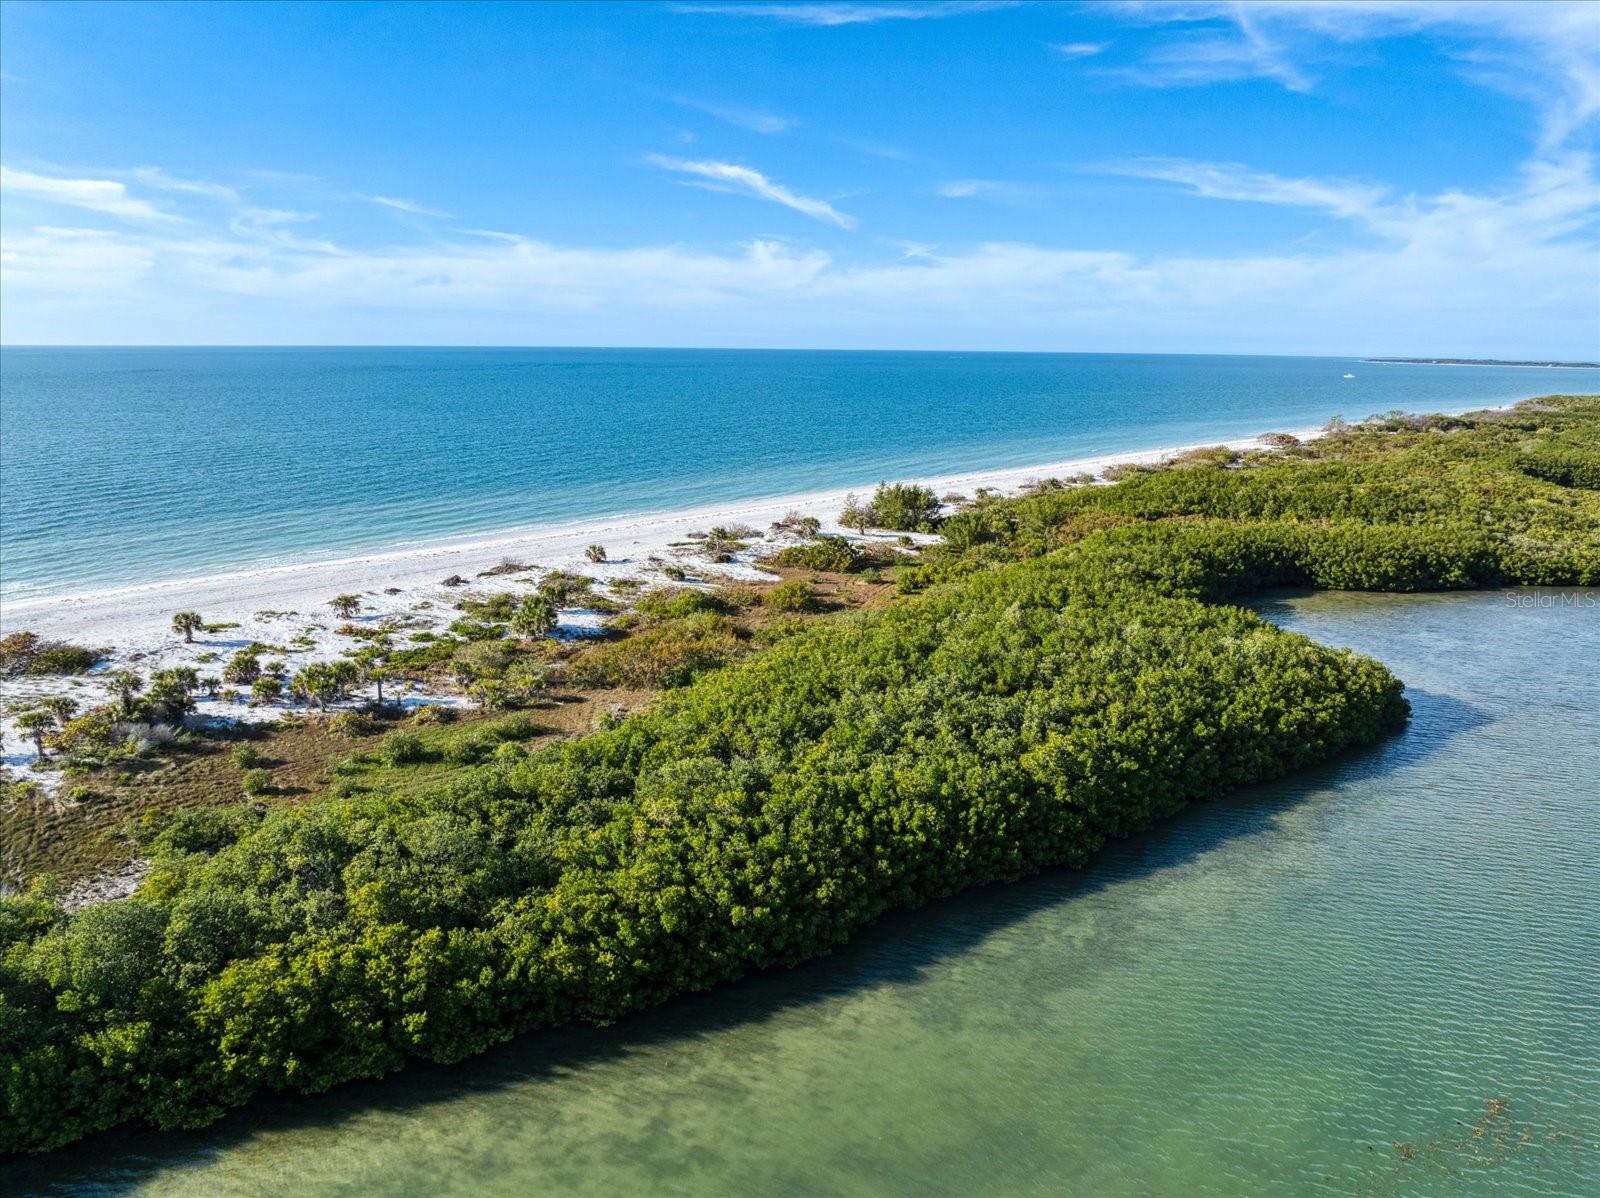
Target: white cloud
(728, 176)
(1500, 272)
(411, 206)
(154, 176)
(1552, 199)
(1544, 51)
(831, 15)
(1078, 49)
(753, 119)
(993, 189)
(96, 195)
(963, 189)
(1230, 181)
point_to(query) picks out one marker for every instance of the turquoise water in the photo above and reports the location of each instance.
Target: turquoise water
(1379, 978)
(130, 465)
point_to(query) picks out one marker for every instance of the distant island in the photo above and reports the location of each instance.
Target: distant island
(1482, 362)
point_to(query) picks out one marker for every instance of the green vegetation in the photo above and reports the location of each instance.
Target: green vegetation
(791, 596)
(187, 623)
(1067, 670)
(24, 653)
(819, 553)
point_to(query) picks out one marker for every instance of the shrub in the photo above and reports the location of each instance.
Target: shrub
(403, 748)
(347, 724)
(792, 596)
(26, 653)
(904, 507)
(433, 713)
(674, 603)
(246, 756)
(474, 630)
(595, 553)
(664, 655)
(243, 667)
(823, 553)
(257, 782)
(266, 690)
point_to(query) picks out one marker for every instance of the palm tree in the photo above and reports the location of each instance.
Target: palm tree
(535, 616)
(61, 708)
(125, 684)
(370, 662)
(312, 684)
(345, 606)
(188, 623)
(36, 723)
(595, 553)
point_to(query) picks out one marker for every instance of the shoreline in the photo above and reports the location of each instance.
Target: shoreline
(227, 595)
(287, 605)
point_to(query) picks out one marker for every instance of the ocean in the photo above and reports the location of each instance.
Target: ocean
(124, 466)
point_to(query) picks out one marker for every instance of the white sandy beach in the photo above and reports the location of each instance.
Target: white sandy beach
(275, 604)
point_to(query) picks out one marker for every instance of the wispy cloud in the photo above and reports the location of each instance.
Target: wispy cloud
(994, 189)
(1231, 181)
(1552, 199)
(411, 206)
(729, 176)
(154, 176)
(753, 119)
(879, 149)
(109, 196)
(1078, 49)
(1547, 53)
(829, 15)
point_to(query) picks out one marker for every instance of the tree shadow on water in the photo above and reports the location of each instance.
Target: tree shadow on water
(900, 949)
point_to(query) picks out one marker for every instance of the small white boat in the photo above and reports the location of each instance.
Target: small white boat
(1349, 376)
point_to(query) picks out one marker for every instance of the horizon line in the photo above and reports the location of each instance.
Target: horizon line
(1376, 358)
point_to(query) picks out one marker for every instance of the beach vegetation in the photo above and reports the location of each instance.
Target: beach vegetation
(266, 690)
(595, 553)
(672, 603)
(243, 668)
(26, 653)
(477, 630)
(125, 685)
(507, 565)
(347, 724)
(795, 595)
(795, 524)
(904, 507)
(61, 708)
(345, 606)
(856, 515)
(187, 623)
(246, 756)
(665, 654)
(534, 616)
(35, 724)
(821, 553)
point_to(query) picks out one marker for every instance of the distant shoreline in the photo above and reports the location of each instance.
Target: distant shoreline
(1483, 362)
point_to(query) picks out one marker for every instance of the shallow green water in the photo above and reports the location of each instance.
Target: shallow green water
(1381, 978)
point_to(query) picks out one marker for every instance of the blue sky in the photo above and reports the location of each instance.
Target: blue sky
(1181, 177)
